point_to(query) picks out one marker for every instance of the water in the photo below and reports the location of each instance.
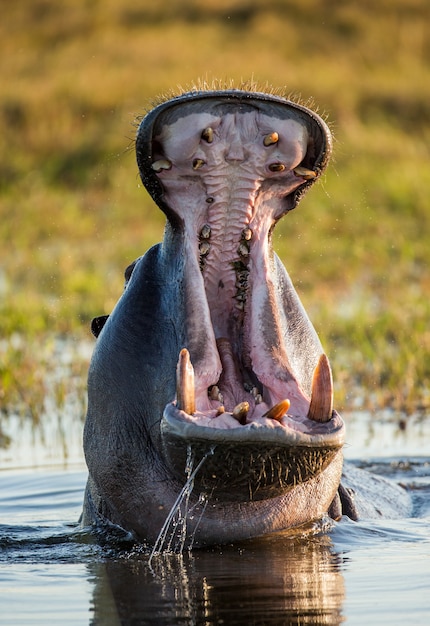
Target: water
(173, 534)
(378, 572)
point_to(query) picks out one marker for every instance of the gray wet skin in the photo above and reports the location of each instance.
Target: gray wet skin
(209, 350)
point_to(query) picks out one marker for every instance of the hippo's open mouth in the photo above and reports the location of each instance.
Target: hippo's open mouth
(250, 455)
(225, 168)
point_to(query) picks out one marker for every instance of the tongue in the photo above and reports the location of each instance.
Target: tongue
(231, 381)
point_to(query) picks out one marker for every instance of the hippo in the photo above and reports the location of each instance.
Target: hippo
(210, 398)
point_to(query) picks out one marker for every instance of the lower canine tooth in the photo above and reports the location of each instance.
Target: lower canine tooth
(321, 406)
(185, 394)
(278, 411)
(240, 412)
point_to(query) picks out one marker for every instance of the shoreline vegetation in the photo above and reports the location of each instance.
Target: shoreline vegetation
(73, 212)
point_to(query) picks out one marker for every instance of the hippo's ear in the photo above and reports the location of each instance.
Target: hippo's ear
(97, 324)
(129, 271)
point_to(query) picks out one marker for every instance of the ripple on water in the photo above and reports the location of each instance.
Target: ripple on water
(51, 572)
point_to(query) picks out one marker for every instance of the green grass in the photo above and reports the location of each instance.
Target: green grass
(75, 76)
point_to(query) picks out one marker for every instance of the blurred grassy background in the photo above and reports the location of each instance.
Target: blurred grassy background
(74, 76)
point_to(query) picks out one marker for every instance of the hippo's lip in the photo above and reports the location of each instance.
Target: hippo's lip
(290, 431)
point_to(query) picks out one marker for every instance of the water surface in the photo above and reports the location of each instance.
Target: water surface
(374, 572)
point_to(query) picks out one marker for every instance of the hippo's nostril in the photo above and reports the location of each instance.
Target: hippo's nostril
(271, 139)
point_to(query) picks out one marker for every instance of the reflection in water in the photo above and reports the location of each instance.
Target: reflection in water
(278, 580)
(383, 565)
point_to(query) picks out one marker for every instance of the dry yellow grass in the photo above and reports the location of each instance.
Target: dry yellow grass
(76, 74)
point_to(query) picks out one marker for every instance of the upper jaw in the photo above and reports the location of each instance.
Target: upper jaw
(226, 169)
(320, 137)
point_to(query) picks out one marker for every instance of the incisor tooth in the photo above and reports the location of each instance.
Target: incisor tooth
(303, 172)
(198, 163)
(208, 134)
(271, 138)
(240, 412)
(185, 383)
(278, 411)
(276, 167)
(321, 406)
(162, 164)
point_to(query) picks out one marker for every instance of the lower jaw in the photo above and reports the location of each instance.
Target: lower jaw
(245, 455)
(247, 463)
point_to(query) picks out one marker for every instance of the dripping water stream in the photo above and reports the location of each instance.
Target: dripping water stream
(176, 521)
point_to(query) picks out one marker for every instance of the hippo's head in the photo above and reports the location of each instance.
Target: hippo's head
(209, 360)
